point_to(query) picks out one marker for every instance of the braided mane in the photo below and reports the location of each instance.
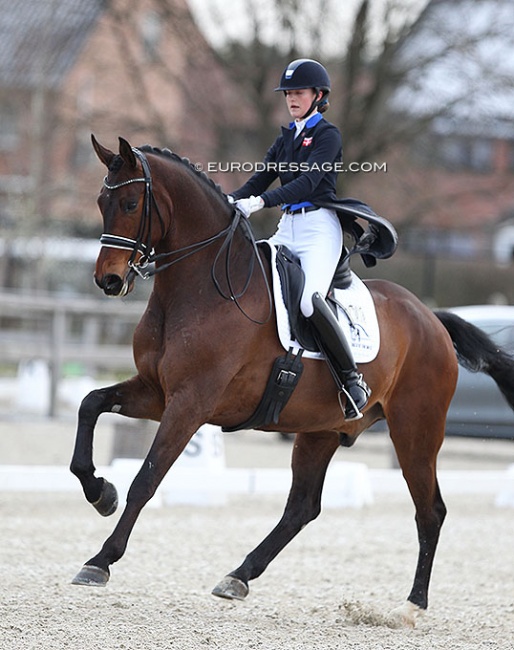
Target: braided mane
(167, 153)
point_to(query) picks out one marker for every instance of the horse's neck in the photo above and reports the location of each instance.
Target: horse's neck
(195, 217)
(197, 212)
(191, 237)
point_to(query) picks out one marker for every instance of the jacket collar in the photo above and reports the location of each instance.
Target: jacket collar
(312, 121)
(293, 143)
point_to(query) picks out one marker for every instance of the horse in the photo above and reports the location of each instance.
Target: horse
(204, 347)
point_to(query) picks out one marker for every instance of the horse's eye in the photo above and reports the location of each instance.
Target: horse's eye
(130, 205)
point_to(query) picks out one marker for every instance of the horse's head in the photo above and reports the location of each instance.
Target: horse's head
(125, 204)
(159, 210)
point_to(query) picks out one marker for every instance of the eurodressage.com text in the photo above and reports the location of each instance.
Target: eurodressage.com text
(283, 167)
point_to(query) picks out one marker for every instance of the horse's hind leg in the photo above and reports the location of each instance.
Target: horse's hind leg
(417, 440)
(132, 398)
(311, 456)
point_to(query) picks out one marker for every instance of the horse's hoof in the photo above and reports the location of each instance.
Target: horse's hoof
(405, 616)
(91, 576)
(107, 502)
(231, 588)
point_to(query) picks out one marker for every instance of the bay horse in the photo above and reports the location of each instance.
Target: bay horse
(207, 341)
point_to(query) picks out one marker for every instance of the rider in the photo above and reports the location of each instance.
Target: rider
(304, 158)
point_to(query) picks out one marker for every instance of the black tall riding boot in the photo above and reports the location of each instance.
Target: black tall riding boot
(332, 342)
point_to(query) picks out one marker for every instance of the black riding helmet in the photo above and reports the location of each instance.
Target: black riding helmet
(306, 73)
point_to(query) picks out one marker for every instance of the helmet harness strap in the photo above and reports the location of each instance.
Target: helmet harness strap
(316, 103)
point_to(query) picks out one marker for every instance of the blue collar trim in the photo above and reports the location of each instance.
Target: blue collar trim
(312, 121)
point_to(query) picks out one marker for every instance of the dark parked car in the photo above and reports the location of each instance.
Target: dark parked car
(478, 408)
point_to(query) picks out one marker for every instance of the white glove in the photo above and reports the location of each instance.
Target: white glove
(252, 204)
(230, 199)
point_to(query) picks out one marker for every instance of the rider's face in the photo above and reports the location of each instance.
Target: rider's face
(299, 101)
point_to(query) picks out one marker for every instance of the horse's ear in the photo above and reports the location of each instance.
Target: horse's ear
(105, 155)
(127, 154)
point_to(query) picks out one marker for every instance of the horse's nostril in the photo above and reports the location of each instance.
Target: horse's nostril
(112, 284)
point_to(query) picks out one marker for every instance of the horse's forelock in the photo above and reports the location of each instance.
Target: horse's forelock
(116, 164)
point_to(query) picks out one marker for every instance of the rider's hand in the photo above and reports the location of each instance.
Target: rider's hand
(249, 205)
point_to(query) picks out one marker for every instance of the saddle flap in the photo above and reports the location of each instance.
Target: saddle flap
(292, 281)
(353, 304)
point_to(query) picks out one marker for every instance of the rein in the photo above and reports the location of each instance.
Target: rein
(149, 256)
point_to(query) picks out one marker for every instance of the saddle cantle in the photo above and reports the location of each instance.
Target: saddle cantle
(378, 242)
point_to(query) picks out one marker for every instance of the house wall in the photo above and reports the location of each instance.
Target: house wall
(113, 90)
(174, 95)
(433, 195)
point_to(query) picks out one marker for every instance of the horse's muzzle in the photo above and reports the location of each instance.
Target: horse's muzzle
(112, 284)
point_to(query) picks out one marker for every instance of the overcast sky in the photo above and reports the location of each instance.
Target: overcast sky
(219, 18)
(480, 68)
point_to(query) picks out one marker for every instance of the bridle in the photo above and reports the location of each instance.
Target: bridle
(148, 256)
(137, 246)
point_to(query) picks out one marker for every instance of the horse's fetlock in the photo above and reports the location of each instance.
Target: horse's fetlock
(79, 470)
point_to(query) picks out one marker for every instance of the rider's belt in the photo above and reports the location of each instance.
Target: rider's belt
(309, 208)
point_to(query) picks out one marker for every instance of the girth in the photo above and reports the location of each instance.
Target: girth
(284, 376)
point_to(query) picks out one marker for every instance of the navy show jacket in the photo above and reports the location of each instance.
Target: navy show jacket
(306, 166)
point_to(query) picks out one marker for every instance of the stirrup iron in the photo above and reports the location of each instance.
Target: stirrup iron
(351, 410)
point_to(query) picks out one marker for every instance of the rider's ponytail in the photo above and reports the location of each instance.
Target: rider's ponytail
(323, 105)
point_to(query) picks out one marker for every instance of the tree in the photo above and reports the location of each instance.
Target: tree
(425, 70)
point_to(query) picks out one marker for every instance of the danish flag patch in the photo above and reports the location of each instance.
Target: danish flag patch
(307, 142)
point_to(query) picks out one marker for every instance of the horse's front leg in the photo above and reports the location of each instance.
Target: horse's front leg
(132, 398)
(311, 455)
(170, 440)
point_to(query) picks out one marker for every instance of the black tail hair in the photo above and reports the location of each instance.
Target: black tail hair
(478, 353)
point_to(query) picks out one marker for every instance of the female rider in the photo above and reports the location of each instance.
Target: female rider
(304, 157)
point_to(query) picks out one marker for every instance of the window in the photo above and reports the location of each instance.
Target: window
(82, 153)
(459, 152)
(151, 33)
(511, 155)
(481, 154)
(9, 127)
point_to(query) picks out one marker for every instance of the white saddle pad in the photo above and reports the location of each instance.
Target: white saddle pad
(356, 314)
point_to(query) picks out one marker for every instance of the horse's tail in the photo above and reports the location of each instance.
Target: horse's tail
(478, 353)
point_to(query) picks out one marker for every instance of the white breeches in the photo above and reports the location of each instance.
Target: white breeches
(317, 239)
